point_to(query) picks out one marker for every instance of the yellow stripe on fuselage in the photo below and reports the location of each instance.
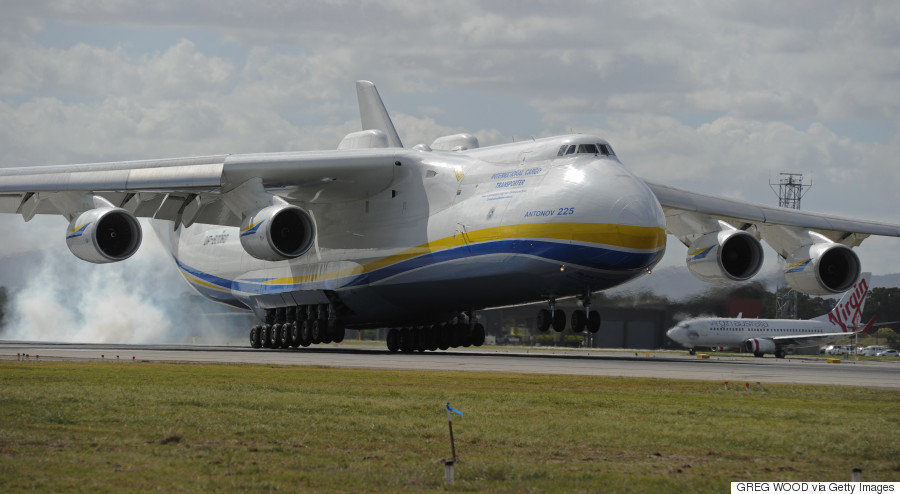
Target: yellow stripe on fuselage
(644, 238)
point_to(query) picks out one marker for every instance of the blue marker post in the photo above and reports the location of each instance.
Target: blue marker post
(450, 412)
(448, 464)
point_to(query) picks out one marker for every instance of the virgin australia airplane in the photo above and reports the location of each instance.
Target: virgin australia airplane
(762, 336)
(375, 235)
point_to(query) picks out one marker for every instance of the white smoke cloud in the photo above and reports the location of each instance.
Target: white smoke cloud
(140, 300)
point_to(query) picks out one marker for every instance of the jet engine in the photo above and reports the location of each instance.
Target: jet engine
(725, 256)
(102, 235)
(755, 345)
(822, 269)
(277, 232)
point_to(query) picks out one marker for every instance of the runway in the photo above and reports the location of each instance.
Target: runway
(613, 363)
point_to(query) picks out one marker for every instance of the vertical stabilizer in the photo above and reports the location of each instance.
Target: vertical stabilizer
(847, 313)
(373, 114)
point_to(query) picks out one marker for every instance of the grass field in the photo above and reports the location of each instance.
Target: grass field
(186, 427)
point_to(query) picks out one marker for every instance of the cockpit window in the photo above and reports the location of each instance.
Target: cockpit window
(587, 148)
(562, 150)
(606, 150)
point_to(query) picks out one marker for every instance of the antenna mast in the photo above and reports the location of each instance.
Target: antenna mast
(790, 191)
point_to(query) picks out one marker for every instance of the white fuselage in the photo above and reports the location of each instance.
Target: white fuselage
(454, 231)
(734, 332)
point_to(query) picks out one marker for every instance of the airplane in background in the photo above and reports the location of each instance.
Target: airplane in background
(376, 235)
(761, 336)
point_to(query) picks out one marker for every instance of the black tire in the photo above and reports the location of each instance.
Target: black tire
(406, 340)
(691, 351)
(758, 354)
(318, 330)
(779, 353)
(476, 337)
(337, 331)
(393, 340)
(276, 335)
(265, 336)
(465, 338)
(418, 339)
(593, 321)
(431, 338)
(305, 338)
(254, 337)
(559, 320)
(543, 320)
(579, 321)
(443, 334)
(284, 337)
(295, 334)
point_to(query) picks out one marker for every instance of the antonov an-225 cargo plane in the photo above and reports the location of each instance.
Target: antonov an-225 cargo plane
(375, 235)
(761, 336)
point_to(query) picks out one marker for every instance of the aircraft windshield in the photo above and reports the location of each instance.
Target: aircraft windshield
(596, 149)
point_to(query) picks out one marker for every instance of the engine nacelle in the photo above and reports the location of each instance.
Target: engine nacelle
(278, 232)
(104, 235)
(725, 256)
(756, 345)
(822, 269)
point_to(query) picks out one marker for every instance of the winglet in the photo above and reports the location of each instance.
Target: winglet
(373, 114)
(869, 325)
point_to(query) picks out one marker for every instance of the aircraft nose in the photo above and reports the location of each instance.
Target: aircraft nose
(637, 205)
(675, 334)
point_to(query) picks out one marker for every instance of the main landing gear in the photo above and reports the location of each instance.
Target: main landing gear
(586, 319)
(453, 334)
(303, 325)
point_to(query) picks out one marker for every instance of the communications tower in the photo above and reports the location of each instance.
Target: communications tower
(791, 189)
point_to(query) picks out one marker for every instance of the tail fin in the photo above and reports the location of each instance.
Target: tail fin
(847, 313)
(373, 114)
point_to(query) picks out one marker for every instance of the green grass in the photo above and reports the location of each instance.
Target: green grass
(192, 427)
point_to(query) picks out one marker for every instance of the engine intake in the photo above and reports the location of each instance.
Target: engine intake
(725, 256)
(822, 269)
(278, 233)
(104, 235)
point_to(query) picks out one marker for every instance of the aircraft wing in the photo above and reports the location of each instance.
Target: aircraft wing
(808, 340)
(204, 189)
(742, 215)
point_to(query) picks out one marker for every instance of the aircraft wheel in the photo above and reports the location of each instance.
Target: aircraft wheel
(254, 337)
(758, 354)
(419, 339)
(477, 335)
(443, 333)
(779, 353)
(406, 340)
(295, 334)
(305, 336)
(265, 336)
(543, 320)
(691, 351)
(559, 320)
(465, 339)
(284, 337)
(337, 331)
(318, 331)
(579, 321)
(430, 333)
(393, 340)
(593, 321)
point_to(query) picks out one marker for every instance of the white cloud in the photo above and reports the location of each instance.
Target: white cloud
(711, 96)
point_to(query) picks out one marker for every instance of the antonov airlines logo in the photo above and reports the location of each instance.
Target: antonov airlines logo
(850, 311)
